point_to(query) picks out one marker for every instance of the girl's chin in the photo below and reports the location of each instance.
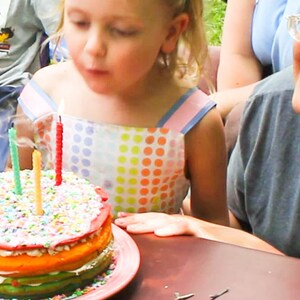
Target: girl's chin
(101, 89)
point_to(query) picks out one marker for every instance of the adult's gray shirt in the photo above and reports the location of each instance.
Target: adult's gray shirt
(264, 169)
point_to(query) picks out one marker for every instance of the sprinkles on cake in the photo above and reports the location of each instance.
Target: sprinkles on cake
(67, 210)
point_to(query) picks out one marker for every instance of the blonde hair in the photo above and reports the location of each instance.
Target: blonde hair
(187, 60)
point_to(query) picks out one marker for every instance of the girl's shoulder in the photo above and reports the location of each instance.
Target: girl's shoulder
(50, 77)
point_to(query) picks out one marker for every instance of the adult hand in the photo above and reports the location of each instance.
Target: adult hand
(296, 96)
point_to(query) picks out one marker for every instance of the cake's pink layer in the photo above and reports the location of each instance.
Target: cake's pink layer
(95, 225)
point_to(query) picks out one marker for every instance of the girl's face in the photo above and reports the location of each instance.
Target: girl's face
(115, 43)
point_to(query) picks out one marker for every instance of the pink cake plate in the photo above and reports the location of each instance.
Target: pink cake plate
(127, 265)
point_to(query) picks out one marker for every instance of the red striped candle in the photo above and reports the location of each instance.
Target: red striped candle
(59, 152)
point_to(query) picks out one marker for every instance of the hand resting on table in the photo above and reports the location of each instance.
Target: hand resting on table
(164, 225)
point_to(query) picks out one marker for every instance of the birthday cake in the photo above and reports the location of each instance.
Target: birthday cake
(63, 248)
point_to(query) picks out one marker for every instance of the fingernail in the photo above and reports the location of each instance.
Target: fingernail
(121, 214)
(119, 222)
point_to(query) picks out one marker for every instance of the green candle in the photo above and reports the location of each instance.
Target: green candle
(12, 136)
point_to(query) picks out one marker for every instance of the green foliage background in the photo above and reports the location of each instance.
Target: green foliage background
(214, 12)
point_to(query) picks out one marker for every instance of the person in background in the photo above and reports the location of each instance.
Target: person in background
(135, 122)
(263, 182)
(251, 50)
(22, 26)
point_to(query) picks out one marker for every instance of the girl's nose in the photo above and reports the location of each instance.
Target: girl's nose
(95, 44)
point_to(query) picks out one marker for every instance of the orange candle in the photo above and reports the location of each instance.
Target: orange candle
(37, 161)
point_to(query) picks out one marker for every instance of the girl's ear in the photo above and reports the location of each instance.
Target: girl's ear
(176, 28)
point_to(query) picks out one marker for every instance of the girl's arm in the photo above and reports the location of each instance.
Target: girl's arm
(47, 79)
(25, 137)
(238, 63)
(206, 163)
(168, 225)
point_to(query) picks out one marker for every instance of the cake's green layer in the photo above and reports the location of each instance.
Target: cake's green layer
(44, 286)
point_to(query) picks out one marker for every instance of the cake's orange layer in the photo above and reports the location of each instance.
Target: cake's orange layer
(25, 265)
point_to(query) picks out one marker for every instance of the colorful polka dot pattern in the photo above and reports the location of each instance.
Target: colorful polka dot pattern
(142, 169)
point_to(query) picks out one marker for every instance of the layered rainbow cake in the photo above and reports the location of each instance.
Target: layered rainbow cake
(59, 251)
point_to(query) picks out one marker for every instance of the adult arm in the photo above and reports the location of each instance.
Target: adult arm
(48, 14)
(296, 96)
(238, 63)
(227, 99)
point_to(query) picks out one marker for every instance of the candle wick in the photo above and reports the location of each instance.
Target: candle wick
(59, 118)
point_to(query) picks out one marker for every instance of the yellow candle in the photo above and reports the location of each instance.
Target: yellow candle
(36, 161)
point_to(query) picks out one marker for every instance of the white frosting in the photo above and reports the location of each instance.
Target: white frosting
(68, 210)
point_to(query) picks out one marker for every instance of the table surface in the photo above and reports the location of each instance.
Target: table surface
(187, 265)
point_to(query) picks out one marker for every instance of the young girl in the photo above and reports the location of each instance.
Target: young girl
(133, 121)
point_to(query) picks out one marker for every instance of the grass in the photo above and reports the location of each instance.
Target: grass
(214, 16)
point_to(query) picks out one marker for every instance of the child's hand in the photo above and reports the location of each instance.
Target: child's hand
(167, 225)
(159, 223)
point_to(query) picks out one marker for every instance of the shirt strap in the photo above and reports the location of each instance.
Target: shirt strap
(188, 111)
(35, 102)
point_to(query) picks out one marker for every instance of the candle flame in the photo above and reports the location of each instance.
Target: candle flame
(61, 107)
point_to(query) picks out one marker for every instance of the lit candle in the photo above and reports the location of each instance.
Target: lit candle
(59, 152)
(12, 137)
(36, 162)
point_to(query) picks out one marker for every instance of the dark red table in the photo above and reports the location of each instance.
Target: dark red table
(192, 265)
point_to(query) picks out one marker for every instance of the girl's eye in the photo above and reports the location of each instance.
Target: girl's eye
(122, 32)
(80, 23)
